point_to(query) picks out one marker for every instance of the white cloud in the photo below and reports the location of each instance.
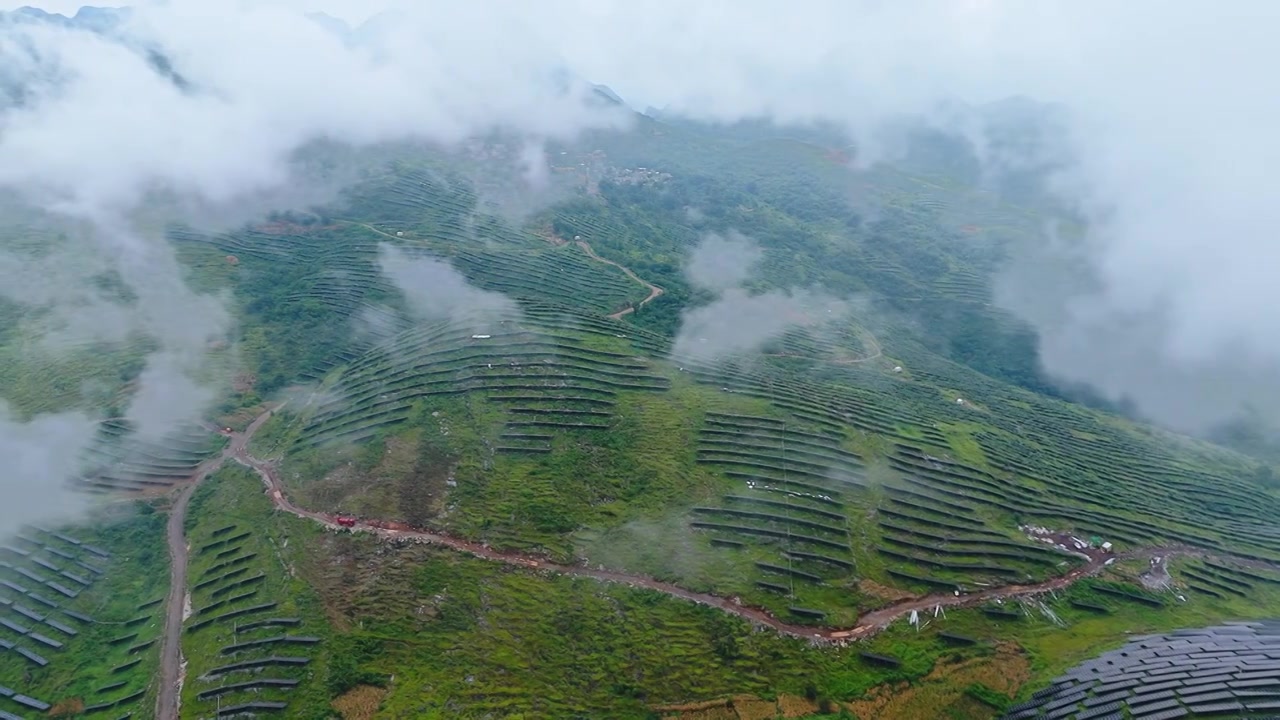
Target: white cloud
(1168, 103)
(738, 322)
(39, 458)
(434, 290)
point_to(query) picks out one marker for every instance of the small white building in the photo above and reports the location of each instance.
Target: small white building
(481, 337)
(897, 368)
(399, 233)
(959, 401)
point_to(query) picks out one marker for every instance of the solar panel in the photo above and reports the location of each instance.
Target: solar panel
(62, 589)
(1104, 699)
(1168, 714)
(45, 640)
(75, 578)
(1173, 673)
(1208, 679)
(1266, 674)
(28, 612)
(14, 626)
(66, 538)
(1149, 695)
(1127, 682)
(42, 599)
(1151, 711)
(60, 627)
(30, 702)
(1192, 697)
(1256, 682)
(1071, 699)
(1162, 677)
(1062, 712)
(59, 553)
(1256, 693)
(30, 655)
(1217, 707)
(1099, 711)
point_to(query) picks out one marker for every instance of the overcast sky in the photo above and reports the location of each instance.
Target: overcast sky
(1172, 112)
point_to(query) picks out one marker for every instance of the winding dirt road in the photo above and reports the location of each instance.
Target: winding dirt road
(169, 697)
(868, 623)
(655, 292)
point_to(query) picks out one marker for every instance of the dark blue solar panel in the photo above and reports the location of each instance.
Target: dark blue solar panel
(1099, 711)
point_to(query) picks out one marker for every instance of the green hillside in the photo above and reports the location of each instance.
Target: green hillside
(541, 405)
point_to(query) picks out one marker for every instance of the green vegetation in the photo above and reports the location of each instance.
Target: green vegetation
(83, 638)
(467, 638)
(257, 632)
(812, 479)
(843, 465)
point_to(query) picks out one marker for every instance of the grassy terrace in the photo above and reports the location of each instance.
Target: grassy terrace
(809, 479)
(934, 454)
(81, 613)
(516, 358)
(805, 473)
(467, 638)
(256, 638)
(119, 462)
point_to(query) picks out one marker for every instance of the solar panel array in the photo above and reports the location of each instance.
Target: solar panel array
(1231, 670)
(40, 571)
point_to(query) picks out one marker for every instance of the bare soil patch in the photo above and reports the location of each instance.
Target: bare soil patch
(360, 702)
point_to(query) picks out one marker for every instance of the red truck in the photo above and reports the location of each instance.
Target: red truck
(345, 521)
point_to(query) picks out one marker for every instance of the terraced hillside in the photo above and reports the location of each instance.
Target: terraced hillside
(515, 361)
(120, 462)
(1225, 671)
(832, 456)
(254, 641)
(510, 385)
(80, 616)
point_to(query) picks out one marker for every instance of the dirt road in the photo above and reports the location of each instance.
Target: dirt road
(169, 698)
(654, 291)
(868, 624)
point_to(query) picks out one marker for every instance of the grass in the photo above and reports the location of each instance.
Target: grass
(504, 441)
(567, 433)
(109, 659)
(467, 638)
(236, 536)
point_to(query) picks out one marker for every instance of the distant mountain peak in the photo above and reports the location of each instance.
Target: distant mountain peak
(89, 17)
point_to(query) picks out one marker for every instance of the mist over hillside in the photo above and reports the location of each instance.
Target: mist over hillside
(896, 357)
(1143, 283)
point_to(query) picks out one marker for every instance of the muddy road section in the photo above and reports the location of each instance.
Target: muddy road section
(169, 697)
(655, 292)
(868, 624)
